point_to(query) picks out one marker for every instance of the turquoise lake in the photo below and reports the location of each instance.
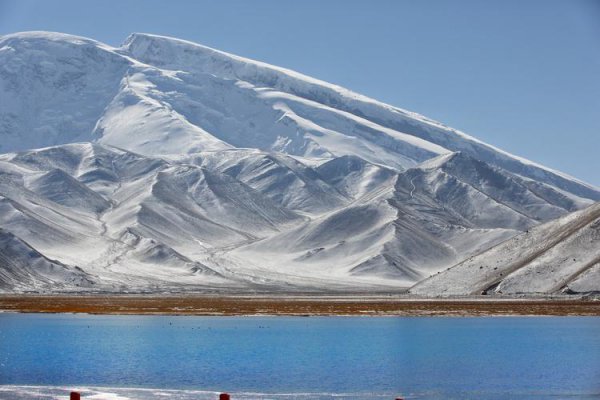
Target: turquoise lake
(151, 357)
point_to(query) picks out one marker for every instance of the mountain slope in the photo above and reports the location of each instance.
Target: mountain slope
(54, 88)
(283, 179)
(559, 256)
(23, 268)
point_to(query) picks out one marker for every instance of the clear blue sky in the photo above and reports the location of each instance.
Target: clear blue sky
(523, 75)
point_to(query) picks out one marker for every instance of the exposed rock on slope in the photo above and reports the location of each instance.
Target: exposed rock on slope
(560, 256)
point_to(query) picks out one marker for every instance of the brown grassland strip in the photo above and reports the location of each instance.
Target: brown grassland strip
(206, 305)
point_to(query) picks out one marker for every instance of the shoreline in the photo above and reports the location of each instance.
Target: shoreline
(292, 305)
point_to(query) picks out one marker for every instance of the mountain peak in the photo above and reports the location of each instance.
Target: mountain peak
(46, 41)
(136, 38)
(162, 50)
(46, 35)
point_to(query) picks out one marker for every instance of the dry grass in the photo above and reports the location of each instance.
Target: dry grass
(240, 305)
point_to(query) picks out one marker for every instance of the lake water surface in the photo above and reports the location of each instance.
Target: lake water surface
(151, 357)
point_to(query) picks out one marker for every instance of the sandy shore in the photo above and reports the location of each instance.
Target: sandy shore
(292, 305)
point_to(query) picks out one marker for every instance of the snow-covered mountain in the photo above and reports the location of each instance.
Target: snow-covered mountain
(167, 165)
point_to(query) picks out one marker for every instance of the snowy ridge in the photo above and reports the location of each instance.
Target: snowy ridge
(164, 165)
